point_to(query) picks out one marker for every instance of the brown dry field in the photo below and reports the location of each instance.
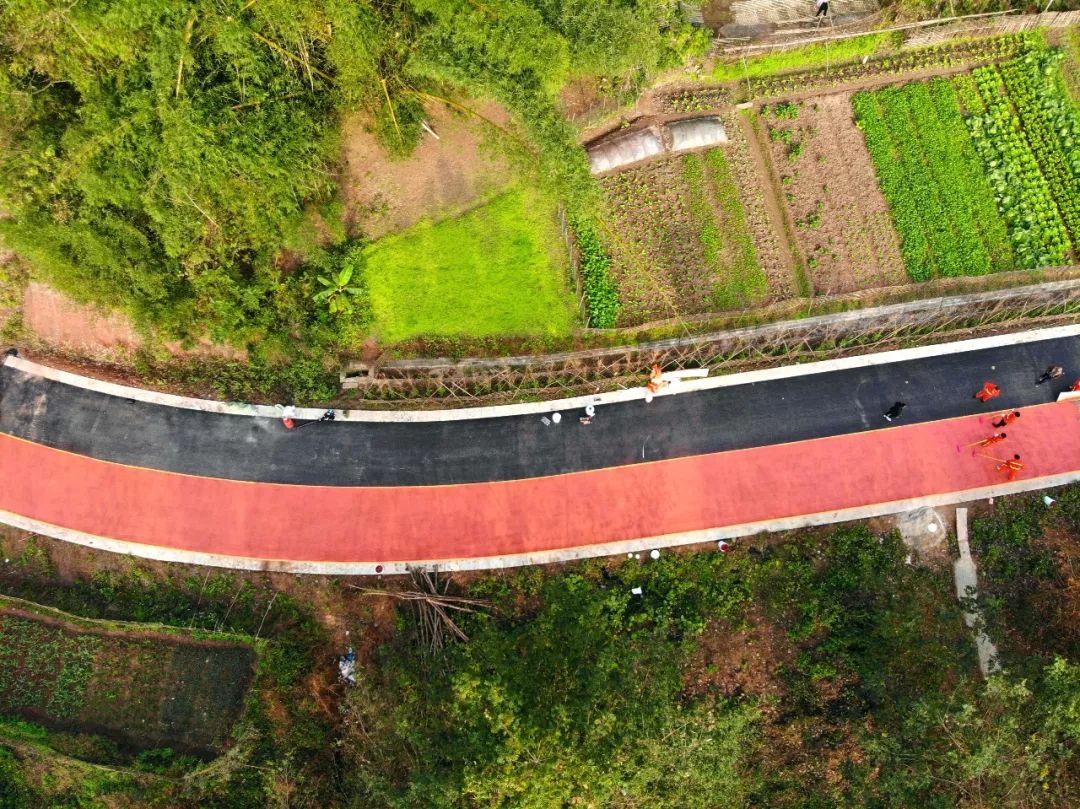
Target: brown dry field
(93, 333)
(856, 246)
(441, 178)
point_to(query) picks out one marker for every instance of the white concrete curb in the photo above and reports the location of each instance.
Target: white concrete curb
(540, 558)
(541, 408)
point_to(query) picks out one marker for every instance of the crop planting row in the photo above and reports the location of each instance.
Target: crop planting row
(43, 669)
(942, 205)
(1023, 194)
(723, 233)
(937, 57)
(1052, 127)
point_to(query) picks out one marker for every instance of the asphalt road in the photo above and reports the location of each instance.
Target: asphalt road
(436, 453)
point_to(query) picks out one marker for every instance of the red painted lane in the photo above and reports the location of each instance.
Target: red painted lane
(315, 523)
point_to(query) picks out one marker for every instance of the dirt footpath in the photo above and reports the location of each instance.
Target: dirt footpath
(440, 178)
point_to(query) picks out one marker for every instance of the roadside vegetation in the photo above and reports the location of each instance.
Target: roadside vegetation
(264, 179)
(178, 161)
(818, 668)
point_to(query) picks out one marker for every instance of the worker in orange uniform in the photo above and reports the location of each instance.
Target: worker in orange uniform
(1009, 418)
(996, 438)
(1013, 466)
(656, 380)
(989, 391)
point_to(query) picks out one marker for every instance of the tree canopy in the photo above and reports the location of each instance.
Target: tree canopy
(159, 154)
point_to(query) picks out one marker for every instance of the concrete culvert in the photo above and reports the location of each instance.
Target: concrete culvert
(696, 133)
(622, 150)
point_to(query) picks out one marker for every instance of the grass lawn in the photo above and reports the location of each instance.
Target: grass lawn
(494, 270)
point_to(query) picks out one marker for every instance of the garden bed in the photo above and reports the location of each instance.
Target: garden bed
(680, 240)
(138, 688)
(841, 220)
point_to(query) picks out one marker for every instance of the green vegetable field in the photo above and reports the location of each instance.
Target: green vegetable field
(982, 171)
(929, 172)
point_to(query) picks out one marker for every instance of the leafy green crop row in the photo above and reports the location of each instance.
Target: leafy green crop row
(964, 52)
(744, 281)
(769, 64)
(710, 238)
(1022, 192)
(942, 206)
(600, 294)
(1051, 126)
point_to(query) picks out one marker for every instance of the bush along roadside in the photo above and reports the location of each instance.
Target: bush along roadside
(601, 296)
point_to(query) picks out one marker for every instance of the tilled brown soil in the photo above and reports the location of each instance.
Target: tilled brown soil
(142, 689)
(658, 262)
(841, 221)
(442, 177)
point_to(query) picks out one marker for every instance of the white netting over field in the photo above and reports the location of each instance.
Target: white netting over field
(625, 149)
(696, 133)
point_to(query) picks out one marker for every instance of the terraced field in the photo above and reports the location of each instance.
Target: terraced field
(137, 688)
(852, 177)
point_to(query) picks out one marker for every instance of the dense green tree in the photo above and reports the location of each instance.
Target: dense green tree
(158, 154)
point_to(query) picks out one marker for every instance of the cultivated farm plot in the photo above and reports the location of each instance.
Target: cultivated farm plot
(679, 239)
(981, 170)
(142, 689)
(842, 222)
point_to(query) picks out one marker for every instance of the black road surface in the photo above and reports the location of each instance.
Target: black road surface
(426, 453)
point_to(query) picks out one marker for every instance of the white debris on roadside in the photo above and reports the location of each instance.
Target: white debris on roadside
(347, 667)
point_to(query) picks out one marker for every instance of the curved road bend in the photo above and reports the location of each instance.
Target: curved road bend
(375, 454)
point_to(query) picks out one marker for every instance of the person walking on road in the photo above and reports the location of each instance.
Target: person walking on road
(1007, 418)
(894, 411)
(821, 9)
(989, 391)
(1053, 372)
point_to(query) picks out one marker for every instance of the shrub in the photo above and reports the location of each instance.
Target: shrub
(601, 296)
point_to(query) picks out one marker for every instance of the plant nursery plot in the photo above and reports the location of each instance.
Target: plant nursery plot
(657, 260)
(679, 239)
(496, 270)
(842, 222)
(930, 172)
(143, 689)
